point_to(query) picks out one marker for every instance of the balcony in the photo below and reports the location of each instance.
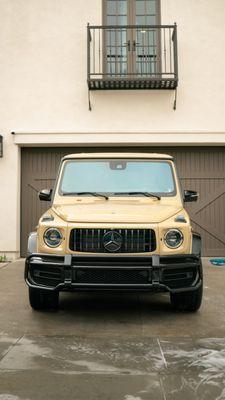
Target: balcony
(132, 57)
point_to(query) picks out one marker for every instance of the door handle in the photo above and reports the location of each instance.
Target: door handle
(128, 45)
(134, 45)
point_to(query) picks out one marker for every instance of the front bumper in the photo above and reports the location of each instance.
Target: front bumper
(175, 274)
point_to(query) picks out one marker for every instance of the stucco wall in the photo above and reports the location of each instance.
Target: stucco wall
(43, 84)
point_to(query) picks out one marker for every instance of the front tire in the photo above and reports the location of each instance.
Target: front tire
(43, 299)
(187, 301)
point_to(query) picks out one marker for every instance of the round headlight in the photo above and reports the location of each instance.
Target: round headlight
(52, 237)
(173, 238)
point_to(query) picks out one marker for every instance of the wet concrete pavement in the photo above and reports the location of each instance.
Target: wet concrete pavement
(111, 346)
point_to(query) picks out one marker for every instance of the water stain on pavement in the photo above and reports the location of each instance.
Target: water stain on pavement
(170, 367)
(104, 347)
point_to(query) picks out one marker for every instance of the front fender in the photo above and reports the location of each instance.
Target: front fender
(196, 244)
(32, 243)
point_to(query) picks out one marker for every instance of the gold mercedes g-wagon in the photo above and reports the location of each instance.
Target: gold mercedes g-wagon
(116, 222)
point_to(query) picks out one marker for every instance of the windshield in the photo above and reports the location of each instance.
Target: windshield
(117, 176)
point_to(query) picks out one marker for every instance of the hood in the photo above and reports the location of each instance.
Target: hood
(115, 211)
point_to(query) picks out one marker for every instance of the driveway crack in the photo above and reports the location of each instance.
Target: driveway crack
(10, 348)
(162, 354)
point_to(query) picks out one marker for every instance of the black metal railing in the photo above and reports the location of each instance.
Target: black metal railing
(132, 57)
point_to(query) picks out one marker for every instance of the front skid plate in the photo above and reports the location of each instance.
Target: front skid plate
(155, 266)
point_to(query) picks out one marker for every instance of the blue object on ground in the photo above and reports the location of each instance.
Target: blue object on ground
(218, 261)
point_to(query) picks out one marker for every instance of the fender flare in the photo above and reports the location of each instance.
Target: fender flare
(32, 243)
(196, 244)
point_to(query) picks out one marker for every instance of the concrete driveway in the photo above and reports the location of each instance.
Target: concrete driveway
(111, 346)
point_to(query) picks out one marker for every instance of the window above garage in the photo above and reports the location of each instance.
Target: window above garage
(132, 50)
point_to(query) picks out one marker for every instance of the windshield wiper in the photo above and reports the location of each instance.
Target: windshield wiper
(85, 193)
(147, 194)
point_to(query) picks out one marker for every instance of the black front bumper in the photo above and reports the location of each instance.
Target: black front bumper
(133, 273)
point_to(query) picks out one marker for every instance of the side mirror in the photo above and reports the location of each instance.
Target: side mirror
(190, 195)
(45, 195)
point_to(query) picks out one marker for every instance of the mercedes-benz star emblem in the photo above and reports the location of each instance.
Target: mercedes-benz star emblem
(112, 241)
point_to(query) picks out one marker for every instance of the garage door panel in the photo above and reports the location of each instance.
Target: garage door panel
(208, 213)
(32, 208)
(213, 214)
(200, 169)
(39, 207)
(212, 237)
(39, 167)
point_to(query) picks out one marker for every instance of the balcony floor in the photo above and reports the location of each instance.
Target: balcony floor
(133, 84)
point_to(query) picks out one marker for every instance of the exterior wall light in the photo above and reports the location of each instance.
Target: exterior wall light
(1, 146)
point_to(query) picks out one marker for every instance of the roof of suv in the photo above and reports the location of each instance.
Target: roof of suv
(119, 155)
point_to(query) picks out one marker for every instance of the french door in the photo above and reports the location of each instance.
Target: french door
(131, 41)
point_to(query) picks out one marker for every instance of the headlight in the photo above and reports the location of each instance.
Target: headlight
(52, 237)
(173, 238)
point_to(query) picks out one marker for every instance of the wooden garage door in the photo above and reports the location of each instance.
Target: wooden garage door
(201, 169)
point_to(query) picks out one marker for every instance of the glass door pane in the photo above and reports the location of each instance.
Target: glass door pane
(132, 51)
(116, 38)
(146, 38)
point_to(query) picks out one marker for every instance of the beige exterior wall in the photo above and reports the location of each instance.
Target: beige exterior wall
(43, 88)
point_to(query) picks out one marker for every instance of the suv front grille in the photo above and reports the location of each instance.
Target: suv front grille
(112, 276)
(132, 240)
